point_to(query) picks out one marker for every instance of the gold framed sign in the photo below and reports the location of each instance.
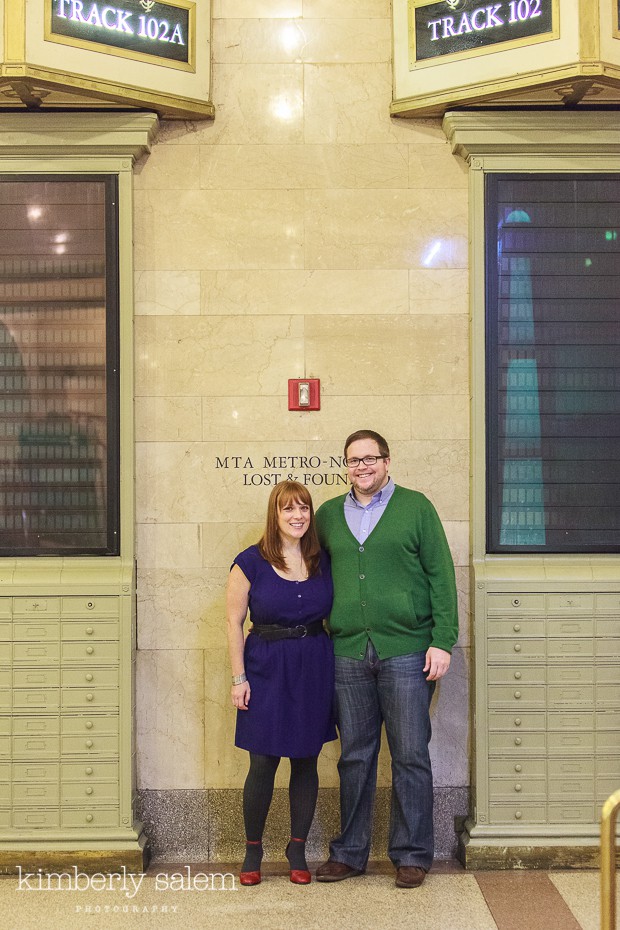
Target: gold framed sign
(442, 30)
(161, 32)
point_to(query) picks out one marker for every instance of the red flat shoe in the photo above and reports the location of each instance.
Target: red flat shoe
(250, 878)
(300, 876)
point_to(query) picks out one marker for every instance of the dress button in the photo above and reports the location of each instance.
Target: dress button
(361, 548)
(299, 595)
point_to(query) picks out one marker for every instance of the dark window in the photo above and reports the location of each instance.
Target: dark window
(553, 363)
(59, 442)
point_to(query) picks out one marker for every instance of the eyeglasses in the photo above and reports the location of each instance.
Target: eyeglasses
(367, 460)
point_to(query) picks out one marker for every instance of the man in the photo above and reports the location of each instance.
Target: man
(394, 623)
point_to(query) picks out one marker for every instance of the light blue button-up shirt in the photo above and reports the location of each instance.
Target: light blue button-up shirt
(362, 520)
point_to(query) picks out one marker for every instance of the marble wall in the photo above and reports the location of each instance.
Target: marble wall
(303, 233)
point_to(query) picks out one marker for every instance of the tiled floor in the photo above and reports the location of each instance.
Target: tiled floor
(181, 897)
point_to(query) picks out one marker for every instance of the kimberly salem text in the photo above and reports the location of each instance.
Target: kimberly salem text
(123, 881)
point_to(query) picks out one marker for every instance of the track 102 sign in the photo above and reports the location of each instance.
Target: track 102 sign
(133, 28)
(449, 27)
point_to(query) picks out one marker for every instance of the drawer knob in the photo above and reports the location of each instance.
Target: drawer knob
(516, 601)
(518, 815)
(518, 787)
(517, 721)
(89, 818)
(89, 770)
(89, 630)
(89, 743)
(518, 768)
(89, 697)
(518, 740)
(89, 677)
(89, 790)
(518, 675)
(517, 647)
(90, 604)
(517, 627)
(89, 650)
(518, 695)
(89, 724)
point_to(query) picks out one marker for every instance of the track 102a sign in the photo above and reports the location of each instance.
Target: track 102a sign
(133, 28)
(449, 27)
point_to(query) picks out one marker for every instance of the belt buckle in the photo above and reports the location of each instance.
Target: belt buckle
(300, 626)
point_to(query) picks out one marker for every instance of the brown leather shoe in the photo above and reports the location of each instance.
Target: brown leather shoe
(332, 871)
(410, 876)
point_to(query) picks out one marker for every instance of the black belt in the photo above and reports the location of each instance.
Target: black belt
(276, 631)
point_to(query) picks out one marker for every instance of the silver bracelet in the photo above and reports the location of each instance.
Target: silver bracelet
(239, 679)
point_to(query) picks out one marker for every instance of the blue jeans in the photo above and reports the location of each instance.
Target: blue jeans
(368, 693)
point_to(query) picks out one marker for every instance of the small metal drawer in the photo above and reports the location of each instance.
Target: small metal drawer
(608, 626)
(515, 603)
(575, 626)
(88, 725)
(6, 696)
(90, 745)
(516, 649)
(90, 676)
(36, 678)
(570, 674)
(36, 606)
(35, 794)
(608, 695)
(5, 653)
(26, 701)
(90, 792)
(5, 746)
(89, 771)
(570, 648)
(608, 602)
(527, 768)
(516, 721)
(90, 817)
(35, 747)
(513, 789)
(6, 632)
(582, 721)
(36, 632)
(87, 698)
(517, 813)
(5, 794)
(5, 771)
(85, 607)
(517, 627)
(94, 631)
(608, 741)
(36, 726)
(515, 675)
(517, 744)
(35, 771)
(559, 696)
(101, 653)
(608, 649)
(517, 695)
(570, 767)
(606, 786)
(36, 653)
(5, 818)
(6, 607)
(571, 812)
(35, 820)
(560, 744)
(607, 719)
(570, 602)
(564, 788)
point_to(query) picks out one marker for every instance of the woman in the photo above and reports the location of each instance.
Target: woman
(283, 675)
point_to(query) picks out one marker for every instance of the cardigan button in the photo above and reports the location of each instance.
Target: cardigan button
(363, 603)
(361, 548)
(362, 577)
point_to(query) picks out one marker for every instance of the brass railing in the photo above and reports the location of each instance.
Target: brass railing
(608, 861)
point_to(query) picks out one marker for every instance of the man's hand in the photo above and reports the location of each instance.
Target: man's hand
(437, 663)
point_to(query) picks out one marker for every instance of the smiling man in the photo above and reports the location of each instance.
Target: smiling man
(394, 623)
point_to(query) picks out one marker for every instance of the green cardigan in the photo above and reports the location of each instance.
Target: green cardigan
(398, 587)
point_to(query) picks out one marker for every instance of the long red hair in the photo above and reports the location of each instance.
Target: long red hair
(270, 543)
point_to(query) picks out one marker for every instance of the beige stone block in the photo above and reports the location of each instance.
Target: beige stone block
(256, 103)
(263, 41)
(210, 482)
(262, 418)
(167, 293)
(457, 533)
(439, 290)
(170, 689)
(161, 419)
(168, 167)
(225, 766)
(440, 416)
(388, 355)
(215, 356)
(347, 9)
(436, 167)
(303, 166)
(169, 545)
(439, 469)
(305, 292)
(449, 746)
(462, 588)
(351, 103)
(385, 229)
(219, 229)
(221, 542)
(277, 9)
(181, 608)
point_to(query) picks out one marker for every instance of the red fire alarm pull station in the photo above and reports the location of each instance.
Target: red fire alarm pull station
(304, 394)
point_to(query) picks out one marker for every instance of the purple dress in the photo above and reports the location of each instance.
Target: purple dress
(290, 712)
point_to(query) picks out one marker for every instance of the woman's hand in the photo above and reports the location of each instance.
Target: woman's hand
(240, 695)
